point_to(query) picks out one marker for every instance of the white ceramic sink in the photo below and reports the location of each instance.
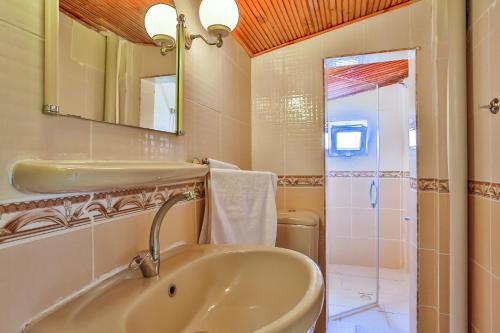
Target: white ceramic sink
(218, 288)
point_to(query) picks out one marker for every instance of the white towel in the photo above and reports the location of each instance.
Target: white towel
(215, 164)
(242, 208)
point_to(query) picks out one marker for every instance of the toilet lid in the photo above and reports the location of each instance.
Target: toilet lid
(298, 217)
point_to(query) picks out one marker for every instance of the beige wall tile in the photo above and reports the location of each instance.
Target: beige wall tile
(427, 283)
(24, 14)
(427, 320)
(495, 325)
(390, 193)
(360, 192)
(364, 223)
(480, 294)
(444, 284)
(199, 213)
(131, 235)
(390, 254)
(37, 274)
(495, 238)
(427, 219)
(338, 192)
(444, 223)
(444, 323)
(280, 198)
(306, 198)
(340, 222)
(479, 230)
(390, 224)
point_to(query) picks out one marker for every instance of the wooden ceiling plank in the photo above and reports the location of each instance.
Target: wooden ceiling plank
(255, 41)
(333, 12)
(322, 13)
(296, 17)
(364, 7)
(382, 4)
(369, 7)
(376, 5)
(260, 28)
(274, 23)
(328, 12)
(312, 14)
(284, 18)
(268, 26)
(304, 12)
(250, 50)
(249, 29)
(357, 9)
(345, 10)
(352, 5)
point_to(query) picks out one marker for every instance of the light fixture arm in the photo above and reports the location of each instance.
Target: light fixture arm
(217, 43)
(188, 40)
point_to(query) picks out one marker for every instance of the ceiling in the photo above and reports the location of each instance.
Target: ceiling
(264, 25)
(349, 80)
(269, 24)
(123, 17)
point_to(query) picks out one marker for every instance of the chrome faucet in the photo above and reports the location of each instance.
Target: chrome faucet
(149, 260)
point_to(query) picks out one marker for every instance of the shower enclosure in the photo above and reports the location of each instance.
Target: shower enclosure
(352, 184)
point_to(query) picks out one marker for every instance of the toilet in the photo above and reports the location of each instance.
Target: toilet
(298, 230)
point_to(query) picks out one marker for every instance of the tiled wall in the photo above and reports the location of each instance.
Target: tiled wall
(287, 128)
(352, 225)
(39, 271)
(484, 175)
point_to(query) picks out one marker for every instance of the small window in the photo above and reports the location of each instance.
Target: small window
(348, 138)
(412, 138)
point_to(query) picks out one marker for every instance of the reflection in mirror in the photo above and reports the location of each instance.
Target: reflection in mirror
(158, 103)
(105, 77)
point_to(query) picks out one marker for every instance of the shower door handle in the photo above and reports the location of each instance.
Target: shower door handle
(373, 198)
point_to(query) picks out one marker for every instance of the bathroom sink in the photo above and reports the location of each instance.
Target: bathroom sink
(201, 288)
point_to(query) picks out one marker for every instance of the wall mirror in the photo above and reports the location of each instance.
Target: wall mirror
(108, 68)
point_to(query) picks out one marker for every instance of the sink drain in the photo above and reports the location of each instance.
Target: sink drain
(172, 289)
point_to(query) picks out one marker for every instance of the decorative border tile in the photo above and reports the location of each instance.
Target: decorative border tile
(301, 181)
(485, 189)
(27, 219)
(430, 185)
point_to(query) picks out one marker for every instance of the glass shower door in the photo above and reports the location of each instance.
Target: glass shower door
(352, 192)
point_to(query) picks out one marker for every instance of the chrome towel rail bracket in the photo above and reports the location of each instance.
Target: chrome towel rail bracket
(494, 106)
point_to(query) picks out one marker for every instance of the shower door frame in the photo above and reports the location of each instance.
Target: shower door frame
(376, 180)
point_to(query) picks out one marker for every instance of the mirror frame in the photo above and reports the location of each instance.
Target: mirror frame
(51, 70)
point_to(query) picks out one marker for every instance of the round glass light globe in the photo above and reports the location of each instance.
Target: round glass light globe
(161, 19)
(219, 12)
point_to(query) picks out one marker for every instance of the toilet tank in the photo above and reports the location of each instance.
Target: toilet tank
(298, 230)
